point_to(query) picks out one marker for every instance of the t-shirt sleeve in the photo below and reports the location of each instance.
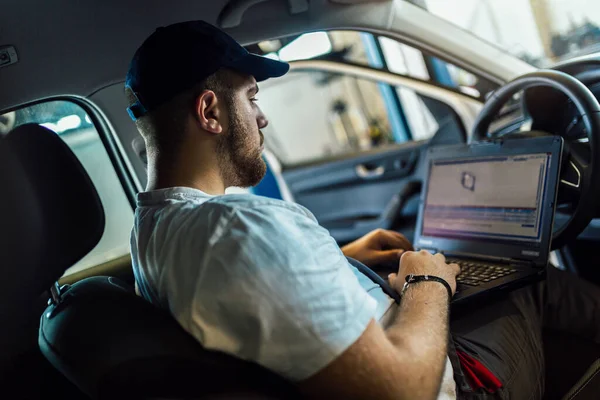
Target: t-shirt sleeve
(277, 290)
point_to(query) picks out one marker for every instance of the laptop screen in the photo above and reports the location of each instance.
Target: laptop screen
(497, 198)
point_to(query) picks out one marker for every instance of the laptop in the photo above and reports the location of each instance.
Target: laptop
(489, 207)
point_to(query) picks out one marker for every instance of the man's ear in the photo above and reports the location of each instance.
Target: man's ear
(208, 112)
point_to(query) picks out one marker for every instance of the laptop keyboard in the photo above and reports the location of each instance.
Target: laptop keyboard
(476, 273)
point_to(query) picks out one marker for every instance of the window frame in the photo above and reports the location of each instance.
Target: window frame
(124, 175)
(427, 51)
(428, 56)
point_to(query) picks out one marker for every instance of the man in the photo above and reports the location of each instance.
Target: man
(261, 280)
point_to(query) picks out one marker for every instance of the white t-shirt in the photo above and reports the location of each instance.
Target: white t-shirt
(254, 277)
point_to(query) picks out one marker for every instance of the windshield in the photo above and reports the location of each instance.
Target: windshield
(540, 32)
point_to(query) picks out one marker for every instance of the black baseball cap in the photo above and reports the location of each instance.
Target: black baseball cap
(176, 57)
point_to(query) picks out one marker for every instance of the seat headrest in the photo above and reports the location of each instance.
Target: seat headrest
(50, 211)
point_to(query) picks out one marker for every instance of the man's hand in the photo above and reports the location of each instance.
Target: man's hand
(424, 263)
(406, 361)
(378, 247)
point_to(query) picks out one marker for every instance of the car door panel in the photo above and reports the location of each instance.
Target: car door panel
(382, 166)
(351, 204)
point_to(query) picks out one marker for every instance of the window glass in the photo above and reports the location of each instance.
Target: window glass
(352, 43)
(318, 115)
(403, 59)
(349, 46)
(406, 60)
(421, 122)
(73, 125)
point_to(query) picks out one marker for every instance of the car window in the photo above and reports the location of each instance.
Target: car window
(75, 128)
(317, 115)
(381, 52)
(406, 60)
(348, 46)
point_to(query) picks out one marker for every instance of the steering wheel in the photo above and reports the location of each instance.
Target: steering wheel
(579, 187)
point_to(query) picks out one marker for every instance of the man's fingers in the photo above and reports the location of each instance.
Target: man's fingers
(395, 240)
(384, 256)
(456, 268)
(440, 256)
(392, 279)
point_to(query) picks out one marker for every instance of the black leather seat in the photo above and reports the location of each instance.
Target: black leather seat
(97, 332)
(37, 241)
(111, 342)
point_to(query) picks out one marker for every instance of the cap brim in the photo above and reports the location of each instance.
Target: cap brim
(260, 67)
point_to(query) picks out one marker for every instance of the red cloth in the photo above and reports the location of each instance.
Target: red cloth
(477, 374)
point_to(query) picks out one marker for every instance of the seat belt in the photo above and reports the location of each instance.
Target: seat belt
(369, 273)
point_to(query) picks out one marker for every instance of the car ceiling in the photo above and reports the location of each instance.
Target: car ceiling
(72, 47)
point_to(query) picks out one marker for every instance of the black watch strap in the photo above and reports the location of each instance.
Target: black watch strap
(425, 278)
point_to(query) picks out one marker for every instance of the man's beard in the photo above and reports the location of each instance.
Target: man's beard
(241, 163)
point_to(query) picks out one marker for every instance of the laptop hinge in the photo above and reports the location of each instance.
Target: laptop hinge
(503, 260)
(530, 263)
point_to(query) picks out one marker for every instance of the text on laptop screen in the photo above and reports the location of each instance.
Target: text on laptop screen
(486, 197)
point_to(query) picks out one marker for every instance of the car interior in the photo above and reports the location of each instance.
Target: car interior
(373, 85)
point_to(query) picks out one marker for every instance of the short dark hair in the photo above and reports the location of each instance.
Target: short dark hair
(164, 127)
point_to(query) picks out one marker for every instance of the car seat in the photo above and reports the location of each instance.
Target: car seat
(97, 332)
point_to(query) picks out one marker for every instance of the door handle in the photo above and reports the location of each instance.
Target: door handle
(369, 173)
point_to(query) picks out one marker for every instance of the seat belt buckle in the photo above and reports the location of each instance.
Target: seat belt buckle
(56, 292)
